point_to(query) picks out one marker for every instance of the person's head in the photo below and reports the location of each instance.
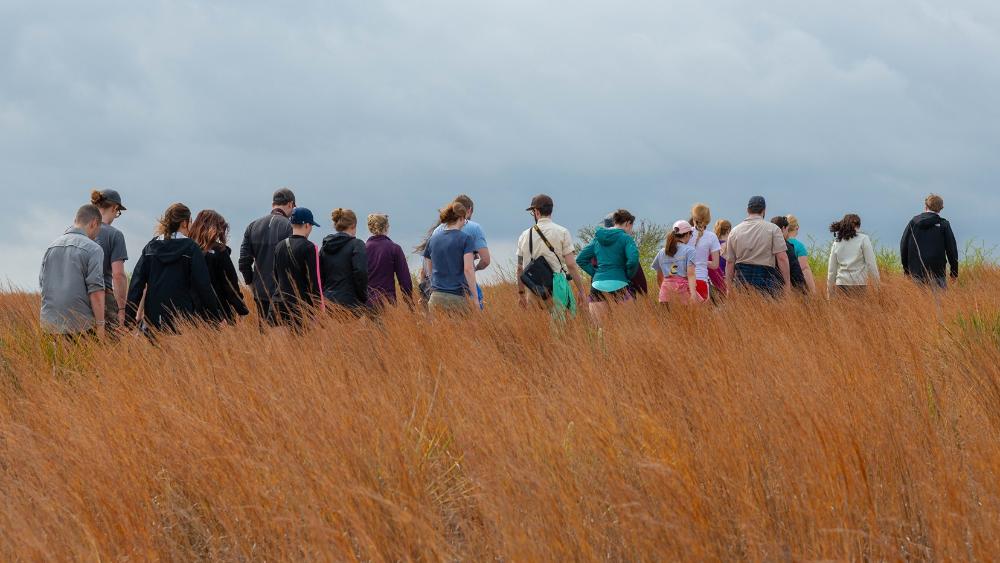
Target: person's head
(793, 226)
(454, 214)
(680, 233)
(283, 199)
(541, 206)
(378, 224)
(934, 203)
(623, 220)
(722, 228)
(88, 220)
(701, 216)
(782, 222)
(302, 222)
(466, 201)
(345, 221)
(209, 230)
(847, 228)
(176, 219)
(757, 205)
(110, 204)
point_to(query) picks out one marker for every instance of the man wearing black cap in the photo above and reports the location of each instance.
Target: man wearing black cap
(257, 251)
(756, 253)
(296, 271)
(532, 245)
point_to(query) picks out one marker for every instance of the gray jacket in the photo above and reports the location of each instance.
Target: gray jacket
(257, 253)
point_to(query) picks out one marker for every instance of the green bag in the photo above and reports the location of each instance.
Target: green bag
(562, 297)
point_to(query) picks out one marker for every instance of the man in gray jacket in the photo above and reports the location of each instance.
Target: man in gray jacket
(257, 251)
(72, 279)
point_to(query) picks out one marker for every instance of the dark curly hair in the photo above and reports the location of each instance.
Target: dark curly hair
(847, 228)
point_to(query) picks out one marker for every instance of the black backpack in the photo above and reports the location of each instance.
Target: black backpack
(538, 275)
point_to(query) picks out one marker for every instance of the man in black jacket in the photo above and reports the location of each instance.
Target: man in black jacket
(296, 271)
(928, 244)
(257, 251)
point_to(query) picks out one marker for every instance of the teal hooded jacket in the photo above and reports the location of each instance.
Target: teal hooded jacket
(617, 257)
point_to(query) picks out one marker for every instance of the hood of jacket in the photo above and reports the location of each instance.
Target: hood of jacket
(336, 242)
(169, 251)
(609, 237)
(927, 220)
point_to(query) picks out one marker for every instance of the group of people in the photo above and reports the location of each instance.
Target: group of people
(187, 270)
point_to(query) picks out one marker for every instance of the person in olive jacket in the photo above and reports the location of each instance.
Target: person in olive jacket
(172, 275)
(343, 263)
(210, 232)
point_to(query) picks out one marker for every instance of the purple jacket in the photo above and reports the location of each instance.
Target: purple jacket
(386, 264)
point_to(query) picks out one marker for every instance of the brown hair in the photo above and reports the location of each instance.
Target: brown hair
(343, 219)
(701, 216)
(465, 201)
(622, 217)
(209, 230)
(781, 221)
(86, 214)
(453, 212)
(723, 227)
(175, 216)
(673, 239)
(847, 228)
(378, 223)
(97, 198)
(934, 202)
(793, 222)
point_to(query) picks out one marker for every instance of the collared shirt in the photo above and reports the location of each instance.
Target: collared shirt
(755, 241)
(72, 269)
(558, 235)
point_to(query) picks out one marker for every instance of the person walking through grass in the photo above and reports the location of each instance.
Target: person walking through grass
(344, 264)
(296, 271)
(449, 259)
(928, 246)
(852, 259)
(801, 253)
(552, 243)
(387, 265)
(257, 251)
(72, 279)
(718, 276)
(795, 274)
(637, 285)
(112, 241)
(708, 248)
(473, 229)
(210, 232)
(171, 278)
(756, 254)
(676, 267)
(617, 261)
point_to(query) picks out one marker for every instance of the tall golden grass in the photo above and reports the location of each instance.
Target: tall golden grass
(756, 430)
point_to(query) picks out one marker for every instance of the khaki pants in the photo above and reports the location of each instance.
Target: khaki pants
(448, 303)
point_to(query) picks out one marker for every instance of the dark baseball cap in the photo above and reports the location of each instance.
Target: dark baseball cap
(540, 201)
(302, 216)
(757, 202)
(283, 196)
(114, 197)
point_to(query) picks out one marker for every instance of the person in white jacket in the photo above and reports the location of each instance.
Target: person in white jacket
(852, 259)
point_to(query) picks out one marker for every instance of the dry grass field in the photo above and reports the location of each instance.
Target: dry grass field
(751, 431)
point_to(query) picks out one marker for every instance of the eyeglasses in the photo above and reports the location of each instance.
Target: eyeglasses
(118, 213)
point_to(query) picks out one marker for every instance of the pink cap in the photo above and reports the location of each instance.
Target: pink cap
(682, 227)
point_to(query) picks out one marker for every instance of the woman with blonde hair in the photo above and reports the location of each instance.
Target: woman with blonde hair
(801, 252)
(386, 264)
(706, 246)
(210, 232)
(449, 257)
(343, 263)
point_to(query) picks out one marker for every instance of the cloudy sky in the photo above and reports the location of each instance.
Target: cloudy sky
(651, 105)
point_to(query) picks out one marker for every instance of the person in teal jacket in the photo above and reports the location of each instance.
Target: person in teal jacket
(617, 261)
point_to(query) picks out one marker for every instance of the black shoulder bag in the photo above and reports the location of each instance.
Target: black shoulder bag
(538, 274)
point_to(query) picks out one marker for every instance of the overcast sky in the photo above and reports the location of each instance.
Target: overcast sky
(651, 105)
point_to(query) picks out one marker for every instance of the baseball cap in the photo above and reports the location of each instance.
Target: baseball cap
(757, 202)
(114, 197)
(283, 196)
(682, 227)
(540, 201)
(302, 216)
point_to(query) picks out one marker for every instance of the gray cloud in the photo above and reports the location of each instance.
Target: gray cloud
(396, 106)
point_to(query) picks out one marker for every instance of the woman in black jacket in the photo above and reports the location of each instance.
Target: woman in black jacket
(210, 232)
(343, 263)
(172, 275)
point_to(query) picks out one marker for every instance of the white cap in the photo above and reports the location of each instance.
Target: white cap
(682, 227)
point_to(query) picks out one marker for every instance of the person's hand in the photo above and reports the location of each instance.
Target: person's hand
(99, 330)
(121, 317)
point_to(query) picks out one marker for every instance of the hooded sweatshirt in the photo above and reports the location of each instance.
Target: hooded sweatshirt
(617, 259)
(386, 265)
(174, 276)
(928, 244)
(343, 264)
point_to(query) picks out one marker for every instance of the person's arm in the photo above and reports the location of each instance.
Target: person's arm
(631, 258)
(97, 299)
(807, 273)
(693, 283)
(95, 288)
(233, 295)
(403, 274)
(136, 290)
(470, 279)
(247, 256)
(484, 259)
(871, 263)
(951, 249)
(359, 271)
(120, 287)
(201, 282)
(713, 260)
(781, 258)
(904, 248)
(833, 268)
(583, 260)
(574, 272)
(730, 272)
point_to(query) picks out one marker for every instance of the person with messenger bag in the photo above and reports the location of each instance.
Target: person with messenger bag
(544, 269)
